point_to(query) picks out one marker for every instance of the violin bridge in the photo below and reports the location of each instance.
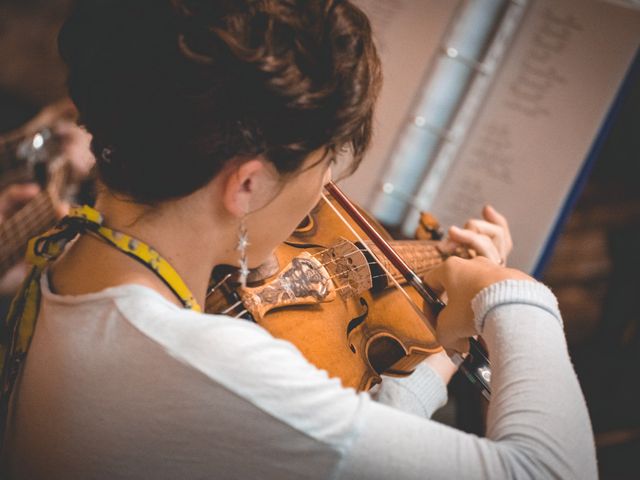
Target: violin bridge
(349, 268)
(304, 281)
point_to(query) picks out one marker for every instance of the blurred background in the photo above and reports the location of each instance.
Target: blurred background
(531, 105)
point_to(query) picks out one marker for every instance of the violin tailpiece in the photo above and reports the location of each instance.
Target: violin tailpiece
(304, 281)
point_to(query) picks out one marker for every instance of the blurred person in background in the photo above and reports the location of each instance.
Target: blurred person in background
(72, 145)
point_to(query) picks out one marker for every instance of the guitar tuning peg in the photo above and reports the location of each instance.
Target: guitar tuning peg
(428, 228)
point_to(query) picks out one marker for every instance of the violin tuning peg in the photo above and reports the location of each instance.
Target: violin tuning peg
(428, 228)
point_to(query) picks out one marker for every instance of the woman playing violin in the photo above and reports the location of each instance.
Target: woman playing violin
(215, 124)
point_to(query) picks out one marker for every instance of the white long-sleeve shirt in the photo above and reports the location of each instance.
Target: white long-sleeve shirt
(124, 384)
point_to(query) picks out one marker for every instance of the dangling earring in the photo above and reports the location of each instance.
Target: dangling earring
(243, 243)
(107, 154)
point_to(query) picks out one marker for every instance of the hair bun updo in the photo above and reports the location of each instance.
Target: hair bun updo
(171, 90)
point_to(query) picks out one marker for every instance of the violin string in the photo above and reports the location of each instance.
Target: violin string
(373, 277)
(329, 248)
(418, 310)
(333, 277)
(352, 269)
(379, 276)
(343, 287)
(335, 259)
(217, 285)
(426, 259)
(227, 310)
(241, 313)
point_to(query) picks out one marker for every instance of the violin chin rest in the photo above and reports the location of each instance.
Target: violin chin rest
(267, 269)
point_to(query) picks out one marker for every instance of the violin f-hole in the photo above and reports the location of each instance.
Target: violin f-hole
(357, 321)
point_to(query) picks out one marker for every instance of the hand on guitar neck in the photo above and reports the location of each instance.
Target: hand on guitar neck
(25, 211)
(15, 197)
(12, 199)
(61, 160)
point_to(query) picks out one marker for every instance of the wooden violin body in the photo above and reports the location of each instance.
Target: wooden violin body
(329, 294)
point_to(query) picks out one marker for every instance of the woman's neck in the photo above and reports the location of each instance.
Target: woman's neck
(189, 233)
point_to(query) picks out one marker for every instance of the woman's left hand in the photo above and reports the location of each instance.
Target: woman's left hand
(489, 237)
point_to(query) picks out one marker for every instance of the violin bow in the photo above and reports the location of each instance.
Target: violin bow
(475, 365)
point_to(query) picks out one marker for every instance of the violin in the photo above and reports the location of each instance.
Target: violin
(348, 296)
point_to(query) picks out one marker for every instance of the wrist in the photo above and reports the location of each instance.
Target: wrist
(442, 365)
(512, 291)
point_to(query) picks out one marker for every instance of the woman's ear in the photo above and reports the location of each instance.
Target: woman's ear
(249, 186)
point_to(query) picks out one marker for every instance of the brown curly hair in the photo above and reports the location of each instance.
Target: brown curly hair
(173, 89)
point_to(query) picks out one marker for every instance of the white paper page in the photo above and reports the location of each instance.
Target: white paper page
(540, 119)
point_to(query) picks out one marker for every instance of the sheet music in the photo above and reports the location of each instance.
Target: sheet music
(540, 119)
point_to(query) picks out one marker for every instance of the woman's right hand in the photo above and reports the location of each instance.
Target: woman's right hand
(462, 280)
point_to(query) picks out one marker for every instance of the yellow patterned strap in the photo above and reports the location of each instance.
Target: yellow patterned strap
(141, 252)
(86, 219)
(17, 331)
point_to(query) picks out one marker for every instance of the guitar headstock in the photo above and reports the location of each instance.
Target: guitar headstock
(51, 150)
(43, 161)
(35, 151)
(25, 152)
